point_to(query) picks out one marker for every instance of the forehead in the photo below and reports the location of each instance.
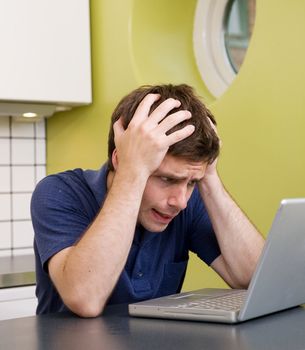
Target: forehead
(182, 168)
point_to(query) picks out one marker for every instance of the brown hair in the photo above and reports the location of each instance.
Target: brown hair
(201, 145)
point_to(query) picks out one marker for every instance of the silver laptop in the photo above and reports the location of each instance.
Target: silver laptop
(278, 282)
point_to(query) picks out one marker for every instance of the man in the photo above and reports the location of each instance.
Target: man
(123, 233)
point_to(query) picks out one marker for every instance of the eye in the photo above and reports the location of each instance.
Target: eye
(192, 183)
(165, 179)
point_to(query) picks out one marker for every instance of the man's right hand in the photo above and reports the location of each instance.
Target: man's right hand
(144, 144)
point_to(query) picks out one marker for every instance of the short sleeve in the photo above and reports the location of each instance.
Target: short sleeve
(62, 207)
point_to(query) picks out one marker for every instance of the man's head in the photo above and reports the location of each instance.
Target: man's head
(201, 145)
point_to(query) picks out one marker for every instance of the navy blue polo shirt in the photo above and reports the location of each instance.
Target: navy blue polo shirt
(65, 204)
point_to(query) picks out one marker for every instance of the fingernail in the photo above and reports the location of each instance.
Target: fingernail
(191, 127)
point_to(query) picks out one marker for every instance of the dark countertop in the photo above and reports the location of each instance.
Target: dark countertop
(16, 271)
(116, 330)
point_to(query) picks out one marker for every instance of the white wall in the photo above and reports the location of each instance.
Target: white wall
(22, 165)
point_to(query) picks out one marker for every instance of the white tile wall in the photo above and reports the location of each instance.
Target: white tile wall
(4, 151)
(40, 129)
(5, 176)
(23, 178)
(40, 172)
(40, 151)
(5, 207)
(23, 151)
(22, 165)
(21, 206)
(23, 129)
(23, 234)
(5, 232)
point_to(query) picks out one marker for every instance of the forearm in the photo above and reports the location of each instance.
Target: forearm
(240, 242)
(92, 267)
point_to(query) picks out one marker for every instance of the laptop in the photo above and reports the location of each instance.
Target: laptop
(278, 282)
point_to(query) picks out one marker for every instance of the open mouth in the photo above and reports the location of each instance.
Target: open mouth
(161, 216)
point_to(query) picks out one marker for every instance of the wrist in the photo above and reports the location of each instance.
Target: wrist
(130, 178)
(210, 185)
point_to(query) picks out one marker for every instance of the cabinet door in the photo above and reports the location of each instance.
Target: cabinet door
(45, 51)
(17, 302)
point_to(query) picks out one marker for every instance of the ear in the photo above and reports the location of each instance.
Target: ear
(114, 159)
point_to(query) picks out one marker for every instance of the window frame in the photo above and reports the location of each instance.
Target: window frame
(209, 46)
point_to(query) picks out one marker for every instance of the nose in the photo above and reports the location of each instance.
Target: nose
(178, 197)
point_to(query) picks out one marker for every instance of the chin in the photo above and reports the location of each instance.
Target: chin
(154, 228)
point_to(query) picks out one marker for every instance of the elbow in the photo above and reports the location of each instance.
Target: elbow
(241, 284)
(239, 281)
(243, 281)
(85, 307)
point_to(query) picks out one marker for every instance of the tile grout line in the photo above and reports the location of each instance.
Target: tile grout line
(11, 184)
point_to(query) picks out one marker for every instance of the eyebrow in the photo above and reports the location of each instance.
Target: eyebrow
(175, 177)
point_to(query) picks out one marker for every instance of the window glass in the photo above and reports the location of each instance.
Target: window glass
(238, 26)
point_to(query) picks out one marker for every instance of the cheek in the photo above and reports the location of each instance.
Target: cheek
(152, 195)
(190, 192)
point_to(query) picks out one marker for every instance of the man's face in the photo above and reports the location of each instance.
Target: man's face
(167, 191)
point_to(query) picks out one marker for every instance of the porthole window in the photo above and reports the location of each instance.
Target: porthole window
(238, 27)
(222, 31)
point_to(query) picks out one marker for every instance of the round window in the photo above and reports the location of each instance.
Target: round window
(238, 27)
(222, 30)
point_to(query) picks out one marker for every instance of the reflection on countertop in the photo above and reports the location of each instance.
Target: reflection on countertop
(17, 271)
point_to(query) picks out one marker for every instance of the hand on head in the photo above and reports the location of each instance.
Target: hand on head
(144, 144)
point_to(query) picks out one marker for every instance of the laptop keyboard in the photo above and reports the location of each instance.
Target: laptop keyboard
(228, 302)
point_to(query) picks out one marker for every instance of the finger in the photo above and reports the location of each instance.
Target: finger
(173, 120)
(179, 135)
(215, 130)
(163, 109)
(213, 126)
(143, 108)
(118, 128)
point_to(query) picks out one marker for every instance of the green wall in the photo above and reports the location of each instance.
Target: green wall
(261, 117)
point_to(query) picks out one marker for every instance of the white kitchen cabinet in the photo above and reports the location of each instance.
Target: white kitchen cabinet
(45, 55)
(17, 302)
